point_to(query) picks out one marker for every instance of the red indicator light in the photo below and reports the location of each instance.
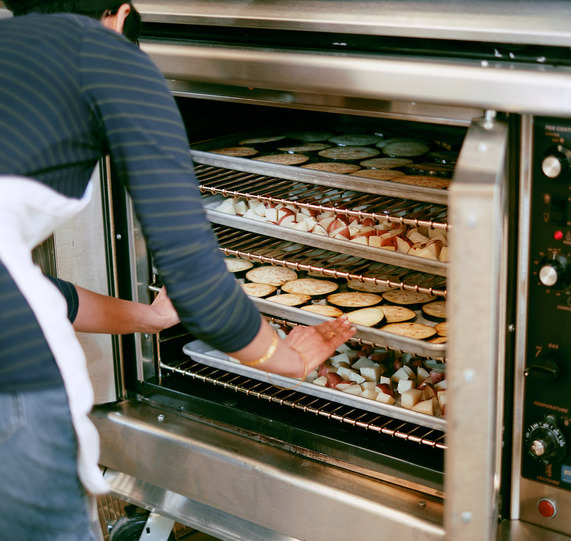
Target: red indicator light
(558, 235)
(546, 508)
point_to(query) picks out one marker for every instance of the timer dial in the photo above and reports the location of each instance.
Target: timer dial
(556, 163)
(545, 442)
(554, 271)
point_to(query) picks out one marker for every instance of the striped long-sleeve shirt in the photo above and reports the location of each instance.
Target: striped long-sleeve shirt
(72, 91)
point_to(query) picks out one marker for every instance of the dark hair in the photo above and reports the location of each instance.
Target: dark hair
(131, 27)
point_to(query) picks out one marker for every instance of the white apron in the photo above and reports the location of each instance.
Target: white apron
(29, 213)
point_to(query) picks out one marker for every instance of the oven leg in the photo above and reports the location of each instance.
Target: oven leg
(157, 528)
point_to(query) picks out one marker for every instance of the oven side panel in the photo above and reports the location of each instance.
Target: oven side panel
(81, 257)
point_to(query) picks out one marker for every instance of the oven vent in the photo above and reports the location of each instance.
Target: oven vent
(329, 410)
(350, 203)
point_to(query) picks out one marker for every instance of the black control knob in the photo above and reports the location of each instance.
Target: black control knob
(556, 164)
(554, 271)
(542, 369)
(545, 442)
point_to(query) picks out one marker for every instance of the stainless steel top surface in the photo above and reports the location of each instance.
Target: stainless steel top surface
(501, 21)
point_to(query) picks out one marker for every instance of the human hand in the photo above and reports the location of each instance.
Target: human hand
(164, 310)
(318, 342)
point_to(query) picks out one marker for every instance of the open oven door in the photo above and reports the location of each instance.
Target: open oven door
(477, 297)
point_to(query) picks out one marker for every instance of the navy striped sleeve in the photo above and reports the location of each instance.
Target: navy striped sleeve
(150, 152)
(68, 290)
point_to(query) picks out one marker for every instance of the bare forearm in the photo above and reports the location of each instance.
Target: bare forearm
(102, 314)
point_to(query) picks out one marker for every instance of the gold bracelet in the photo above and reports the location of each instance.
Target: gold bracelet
(268, 354)
(305, 368)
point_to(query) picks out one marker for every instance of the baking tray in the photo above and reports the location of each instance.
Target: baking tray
(337, 245)
(204, 354)
(369, 334)
(200, 154)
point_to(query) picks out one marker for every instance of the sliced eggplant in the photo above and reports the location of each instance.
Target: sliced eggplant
(275, 276)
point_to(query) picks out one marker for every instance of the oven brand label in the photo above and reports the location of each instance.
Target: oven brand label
(566, 474)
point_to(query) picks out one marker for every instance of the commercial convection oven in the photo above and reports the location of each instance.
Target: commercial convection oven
(415, 153)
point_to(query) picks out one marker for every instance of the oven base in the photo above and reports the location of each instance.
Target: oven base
(170, 463)
(186, 511)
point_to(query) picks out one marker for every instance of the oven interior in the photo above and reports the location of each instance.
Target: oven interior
(362, 434)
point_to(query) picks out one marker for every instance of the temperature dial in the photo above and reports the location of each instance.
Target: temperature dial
(554, 271)
(545, 442)
(556, 164)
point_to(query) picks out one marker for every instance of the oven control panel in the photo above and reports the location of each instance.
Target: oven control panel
(546, 454)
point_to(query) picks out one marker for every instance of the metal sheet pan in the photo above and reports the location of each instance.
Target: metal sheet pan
(200, 154)
(203, 353)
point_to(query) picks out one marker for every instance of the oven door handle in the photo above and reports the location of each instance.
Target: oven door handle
(476, 306)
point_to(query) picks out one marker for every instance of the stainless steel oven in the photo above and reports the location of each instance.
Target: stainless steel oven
(486, 88)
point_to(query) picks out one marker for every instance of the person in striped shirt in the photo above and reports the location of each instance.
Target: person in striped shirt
(72, 90)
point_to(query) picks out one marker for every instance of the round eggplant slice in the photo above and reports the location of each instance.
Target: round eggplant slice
(398, 314)
(258, 290)
(443, 156)
(356, 299)
(355, 140)
(430, 169)
(410, 329)
(237, 265)
(391, 140)
(239, 152)
(274, 276)
(378, 174)
(422, 180)
(435, 310)
(368, 317)
(407, 298)
(307, 149)
(348, 154)
(438, 340)
(332, 167)
(367, 287)
(283, 159)
(323, 309)
(441, 328)
(310, 286)
(405, 149)
(263, 142)
(385, 163)
(290, 299)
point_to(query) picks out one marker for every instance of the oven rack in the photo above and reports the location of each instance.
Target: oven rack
(201, 156)
(340, 200)
(214, 367)
(317, 241)
(261, 249)
(309, 404)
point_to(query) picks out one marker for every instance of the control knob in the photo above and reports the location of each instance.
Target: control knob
(545, 442)
(554, 271)
(556, 163)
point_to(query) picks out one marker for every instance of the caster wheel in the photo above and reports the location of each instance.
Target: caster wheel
(131, 528)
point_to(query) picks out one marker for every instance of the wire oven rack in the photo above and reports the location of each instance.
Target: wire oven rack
(328, 409)
(350, 203)
(261, 249)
